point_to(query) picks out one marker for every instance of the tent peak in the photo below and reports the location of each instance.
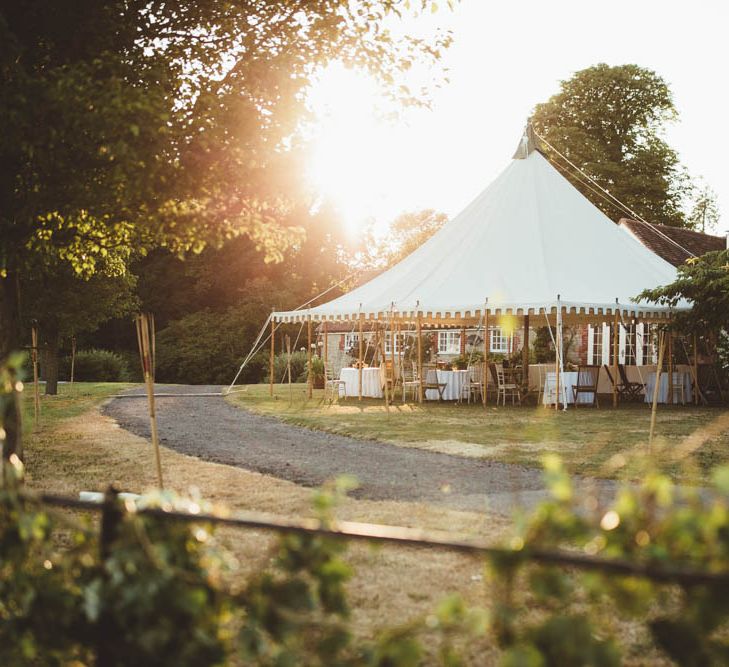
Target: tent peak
(527, 144)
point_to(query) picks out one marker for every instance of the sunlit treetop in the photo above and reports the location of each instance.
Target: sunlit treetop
(172, 117)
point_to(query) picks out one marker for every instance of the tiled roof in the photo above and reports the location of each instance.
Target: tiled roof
(654, 238)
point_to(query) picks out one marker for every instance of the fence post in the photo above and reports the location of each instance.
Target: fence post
(111, 515)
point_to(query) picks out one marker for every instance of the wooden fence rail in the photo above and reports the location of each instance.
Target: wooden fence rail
(113, 509)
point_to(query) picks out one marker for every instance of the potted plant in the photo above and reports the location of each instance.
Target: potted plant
(461, 362)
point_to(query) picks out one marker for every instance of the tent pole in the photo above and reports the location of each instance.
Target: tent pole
(659, 365)
(525, 354)
(486, 350)
(392, 350)
(400, 342)
(420, 359)
(326, 347)
(310, 377)
(557, 351)
(616, 338)
(463, 341)
(383, 363)
(359, 358)
(670, 367)
(696, 370)
(270, 357)
(288, 368)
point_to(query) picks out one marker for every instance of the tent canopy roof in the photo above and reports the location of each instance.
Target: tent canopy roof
(530, 242)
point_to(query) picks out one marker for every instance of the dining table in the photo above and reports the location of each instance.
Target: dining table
(371, 382)
(454, 381)
(568, 379)
(679, 378)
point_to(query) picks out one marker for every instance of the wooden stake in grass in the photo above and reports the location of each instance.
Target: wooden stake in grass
(73, 357)
(659, 366)
(36, 385)
(145, 338)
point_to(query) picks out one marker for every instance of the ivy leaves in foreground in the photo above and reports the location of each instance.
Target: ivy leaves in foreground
(574, 616)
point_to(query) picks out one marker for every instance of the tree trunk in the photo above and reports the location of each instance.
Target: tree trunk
(9, 316)
(10, 412)
(51, 358)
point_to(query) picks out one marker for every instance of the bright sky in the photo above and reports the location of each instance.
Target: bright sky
(506, 57)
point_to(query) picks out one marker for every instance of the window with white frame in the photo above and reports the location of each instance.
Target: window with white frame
(388, 343)
(635, 345)
(351, 343)
(647, 342)
(499, 342)
(595, 345)
(630, 342)
(449, 342)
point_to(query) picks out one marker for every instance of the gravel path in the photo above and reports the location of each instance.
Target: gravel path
(210, 428)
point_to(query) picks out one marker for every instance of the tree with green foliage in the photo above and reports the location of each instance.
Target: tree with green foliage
(405, 234)
(164, 123)
(133, 125)
(609, 121)
(64, 305)
(704, 283)
(409, 231)
(705, 210)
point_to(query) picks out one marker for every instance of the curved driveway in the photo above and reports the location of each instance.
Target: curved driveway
(210, 428)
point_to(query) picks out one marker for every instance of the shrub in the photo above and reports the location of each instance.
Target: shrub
(96, 366)
(298, 367)
(208, 347)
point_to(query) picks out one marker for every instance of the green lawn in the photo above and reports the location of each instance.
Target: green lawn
(603, 442)
(69, 402)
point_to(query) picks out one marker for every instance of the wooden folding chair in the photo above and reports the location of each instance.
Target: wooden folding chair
(587, 379)
(624, 392)
(430, 375)
(631, 390)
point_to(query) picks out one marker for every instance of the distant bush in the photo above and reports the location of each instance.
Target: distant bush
(280, 367)
(208, 347)
(134, 366)
(96, 366)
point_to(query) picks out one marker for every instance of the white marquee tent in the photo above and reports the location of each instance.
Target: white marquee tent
(528, 239)
(530, 245)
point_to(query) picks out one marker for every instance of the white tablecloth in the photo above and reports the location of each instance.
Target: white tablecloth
(371, 382)
(454, 382)
(569, 380)
(678, 378)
